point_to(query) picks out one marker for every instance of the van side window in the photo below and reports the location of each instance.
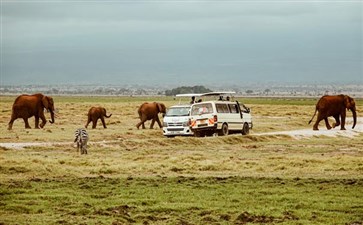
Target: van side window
(202, 109)
(233, 108)
(222, 108)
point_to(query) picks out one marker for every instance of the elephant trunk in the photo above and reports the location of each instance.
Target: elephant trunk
(108, 116)
(354, 117)
(51, 116)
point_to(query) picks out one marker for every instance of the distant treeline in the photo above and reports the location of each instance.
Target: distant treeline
(187, 89)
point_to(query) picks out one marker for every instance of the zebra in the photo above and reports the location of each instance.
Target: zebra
(81, 137)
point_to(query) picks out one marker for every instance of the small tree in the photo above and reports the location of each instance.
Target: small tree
(249, 92)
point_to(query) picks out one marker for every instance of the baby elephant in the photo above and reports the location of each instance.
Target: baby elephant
(96, 113)
(150, 111)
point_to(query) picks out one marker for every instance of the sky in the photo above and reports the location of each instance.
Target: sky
(181, 42)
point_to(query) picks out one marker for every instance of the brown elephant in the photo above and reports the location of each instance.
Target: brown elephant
(95, 113)
(150, 111)
(26, 106)
(334, 106)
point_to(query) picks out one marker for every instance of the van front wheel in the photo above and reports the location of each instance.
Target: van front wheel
(245, 129)
(198, 134)
(224, 130)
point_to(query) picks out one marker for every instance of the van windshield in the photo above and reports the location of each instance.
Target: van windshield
(202, 109)
(178, 111)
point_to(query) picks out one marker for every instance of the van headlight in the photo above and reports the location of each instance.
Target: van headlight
(186, 124)
(165, 124)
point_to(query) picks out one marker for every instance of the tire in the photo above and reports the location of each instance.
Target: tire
(197, 134)
(245, 129)
(224, 130)
(210, 133)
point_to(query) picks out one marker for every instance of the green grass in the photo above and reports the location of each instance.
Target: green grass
(182, 200)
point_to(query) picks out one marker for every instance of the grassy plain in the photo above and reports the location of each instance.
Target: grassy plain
(135, 176)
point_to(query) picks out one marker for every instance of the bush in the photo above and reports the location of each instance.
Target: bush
(187, 89)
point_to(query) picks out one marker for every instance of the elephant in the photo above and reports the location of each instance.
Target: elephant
(334, 106)
(96, 113)
(26, 106)
(150, 111)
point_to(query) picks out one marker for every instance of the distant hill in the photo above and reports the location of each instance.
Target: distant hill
(187, 89)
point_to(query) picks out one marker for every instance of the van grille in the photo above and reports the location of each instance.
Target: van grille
(175, 129)
(175, 124)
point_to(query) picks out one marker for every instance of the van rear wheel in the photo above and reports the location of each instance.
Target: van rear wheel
(224, 130)
(245, 129)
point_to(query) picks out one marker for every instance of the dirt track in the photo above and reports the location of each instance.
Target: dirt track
(306, 133)
(298, 134)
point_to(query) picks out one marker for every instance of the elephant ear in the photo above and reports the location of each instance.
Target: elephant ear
(159, 107)
(347, 102)
(45, 102)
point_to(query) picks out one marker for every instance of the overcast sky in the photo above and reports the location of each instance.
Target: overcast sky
(181, 42)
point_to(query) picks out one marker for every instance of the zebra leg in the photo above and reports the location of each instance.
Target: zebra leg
(85, 146)
(78, 147)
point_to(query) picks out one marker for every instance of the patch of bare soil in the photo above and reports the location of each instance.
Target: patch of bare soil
(247, 217)
(336, 132)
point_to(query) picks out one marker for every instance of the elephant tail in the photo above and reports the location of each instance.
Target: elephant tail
(139, 112)
(108, 116)
(313, 115)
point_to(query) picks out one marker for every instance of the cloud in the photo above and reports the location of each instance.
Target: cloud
(189, 39)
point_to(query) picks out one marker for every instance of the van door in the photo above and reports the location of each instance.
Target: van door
(236, 121)
(223, 114)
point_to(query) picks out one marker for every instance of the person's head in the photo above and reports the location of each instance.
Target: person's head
(193, 98)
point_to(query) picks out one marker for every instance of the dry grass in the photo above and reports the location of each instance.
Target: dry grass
(123, 150)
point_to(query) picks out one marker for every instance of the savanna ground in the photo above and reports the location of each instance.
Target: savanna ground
(135, 176)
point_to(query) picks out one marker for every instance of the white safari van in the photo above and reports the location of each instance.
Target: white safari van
(221, 117)
(176, 121)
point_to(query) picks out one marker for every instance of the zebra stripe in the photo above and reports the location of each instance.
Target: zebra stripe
(81, 138)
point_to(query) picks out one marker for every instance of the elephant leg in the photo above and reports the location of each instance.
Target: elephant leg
(103, 122)
(342, 126)
(26, 123)
(88, 121)
(315, 127)
(327, 123)
(159, 123)
(44, 121)
(138, 124)
(10, 125)
(36, 122)
(152, 123)
(142, 122)
(94, 123)
(337, 121)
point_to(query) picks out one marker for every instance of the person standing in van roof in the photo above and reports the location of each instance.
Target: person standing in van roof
(193, 100)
